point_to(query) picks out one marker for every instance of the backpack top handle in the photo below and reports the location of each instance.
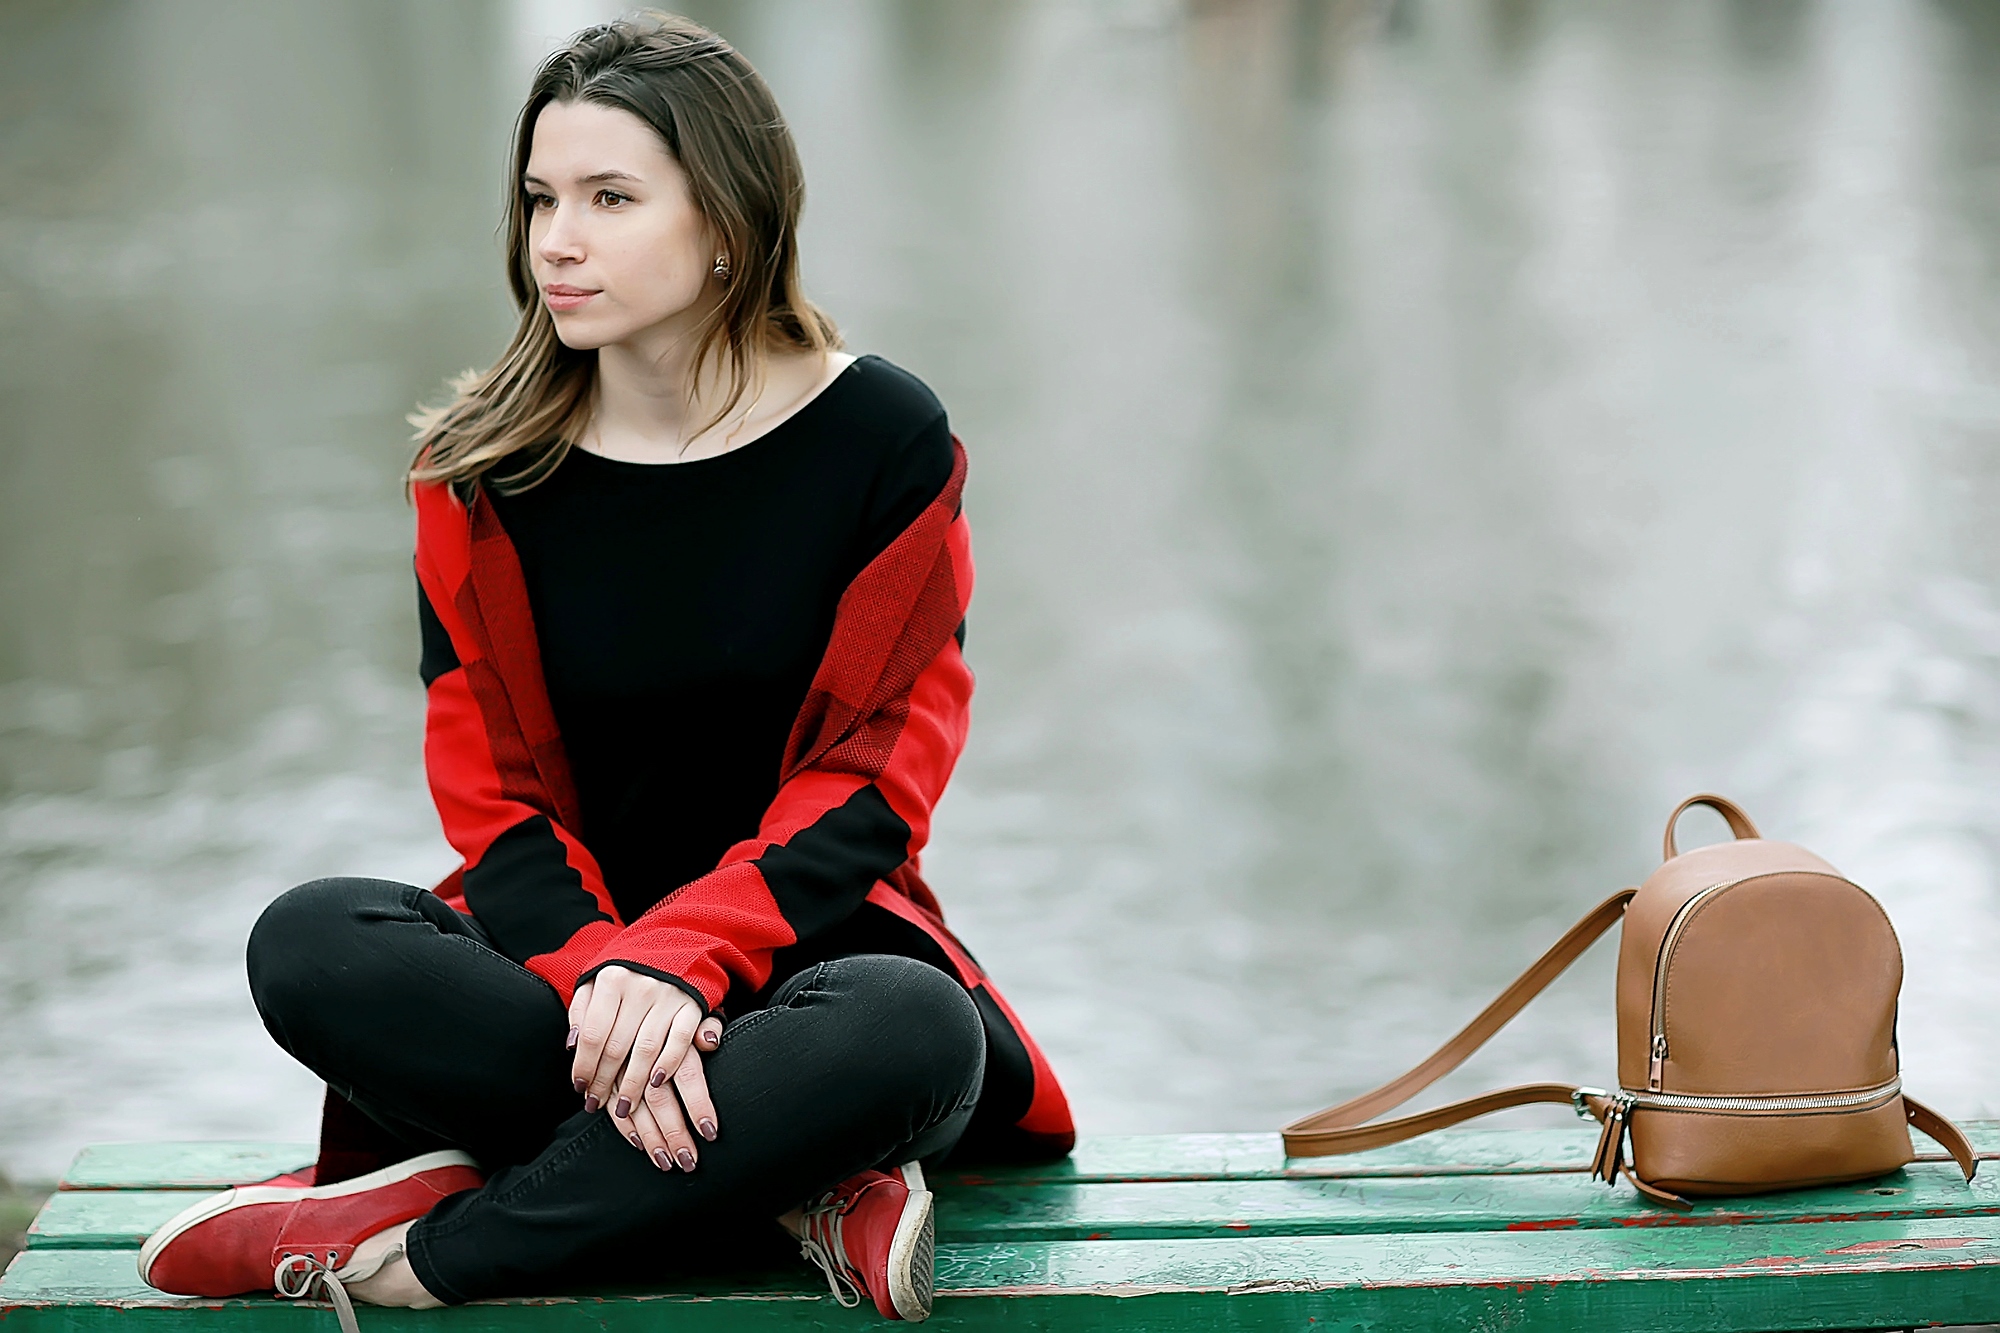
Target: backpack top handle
(1739, 823)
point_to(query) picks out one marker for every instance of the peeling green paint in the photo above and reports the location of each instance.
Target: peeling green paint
(1195, 1232)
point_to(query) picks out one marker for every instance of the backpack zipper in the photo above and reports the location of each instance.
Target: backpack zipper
(1819, 1101)
(1656, 1069)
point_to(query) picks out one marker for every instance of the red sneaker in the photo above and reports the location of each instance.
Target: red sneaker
(249, 1238)
(876, 1233)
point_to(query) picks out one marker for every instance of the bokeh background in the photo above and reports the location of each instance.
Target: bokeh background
(1413, 445)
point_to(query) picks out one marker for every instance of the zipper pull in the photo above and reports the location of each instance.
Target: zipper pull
(1657, 1070)
(1611, 1142)
(1600, 1161)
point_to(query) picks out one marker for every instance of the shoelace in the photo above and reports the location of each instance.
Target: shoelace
(298, 1274)
(821, 1246)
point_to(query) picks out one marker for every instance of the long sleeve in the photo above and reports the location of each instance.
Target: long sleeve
(530, 882)
(527, 877)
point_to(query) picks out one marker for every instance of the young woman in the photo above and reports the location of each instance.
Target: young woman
(692, 592)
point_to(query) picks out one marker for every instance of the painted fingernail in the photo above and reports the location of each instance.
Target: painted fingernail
(635, 1140)
(664, 1162)
(707, 1128)
(590, 1102)
(569, 1044)
(579, 1085)
(659, 1077)
(686, 1158)
(623, 1109)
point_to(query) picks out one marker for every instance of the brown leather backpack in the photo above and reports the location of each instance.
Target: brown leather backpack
(1756, 1033)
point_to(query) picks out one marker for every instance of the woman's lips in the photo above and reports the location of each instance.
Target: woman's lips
(560, 297)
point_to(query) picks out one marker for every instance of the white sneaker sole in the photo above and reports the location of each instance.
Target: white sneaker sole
(214, 1205)
(913, 1251)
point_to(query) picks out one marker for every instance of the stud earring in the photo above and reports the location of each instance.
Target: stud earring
(722, 268)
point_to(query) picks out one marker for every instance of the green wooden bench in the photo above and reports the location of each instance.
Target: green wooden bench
(1465, 1230)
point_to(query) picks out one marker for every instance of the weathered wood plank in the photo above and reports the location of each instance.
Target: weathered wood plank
(1187, 1209)
(99, 1276)
(105, 1219)
(114, 1219)
(1107, 1158)
(182, 1166)
(1198, 1232)
(1723, 1279)
(1097, 1159)
(99, 1290)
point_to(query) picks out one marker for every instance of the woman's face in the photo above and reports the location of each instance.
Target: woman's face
(614, 239)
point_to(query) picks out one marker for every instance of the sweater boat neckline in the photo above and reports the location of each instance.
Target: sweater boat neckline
(805, 409)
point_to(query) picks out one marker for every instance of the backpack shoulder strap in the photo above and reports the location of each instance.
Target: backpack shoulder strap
(1344, 1128)
(1948, 1135)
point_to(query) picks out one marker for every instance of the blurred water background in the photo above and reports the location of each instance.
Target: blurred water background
(1413, 444)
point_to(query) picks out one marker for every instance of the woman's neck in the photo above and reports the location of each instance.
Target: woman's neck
(652, 408)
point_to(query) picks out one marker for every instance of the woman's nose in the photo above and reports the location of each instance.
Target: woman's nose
(560, 242)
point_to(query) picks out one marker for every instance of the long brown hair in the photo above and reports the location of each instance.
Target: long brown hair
(720, 123)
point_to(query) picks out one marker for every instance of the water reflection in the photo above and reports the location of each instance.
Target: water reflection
(1414, 444)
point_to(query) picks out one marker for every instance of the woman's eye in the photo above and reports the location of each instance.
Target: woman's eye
(540, 201)
(611, 198)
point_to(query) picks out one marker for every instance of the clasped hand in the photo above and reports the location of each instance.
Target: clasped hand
(639, 1043)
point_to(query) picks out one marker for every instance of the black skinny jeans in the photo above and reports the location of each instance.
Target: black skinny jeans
(403, 1006)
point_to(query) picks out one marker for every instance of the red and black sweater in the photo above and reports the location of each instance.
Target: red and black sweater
(716, 761)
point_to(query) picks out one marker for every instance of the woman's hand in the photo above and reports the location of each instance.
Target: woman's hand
(639, 1043)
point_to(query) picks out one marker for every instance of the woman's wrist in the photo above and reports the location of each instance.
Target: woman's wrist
(686, 987)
